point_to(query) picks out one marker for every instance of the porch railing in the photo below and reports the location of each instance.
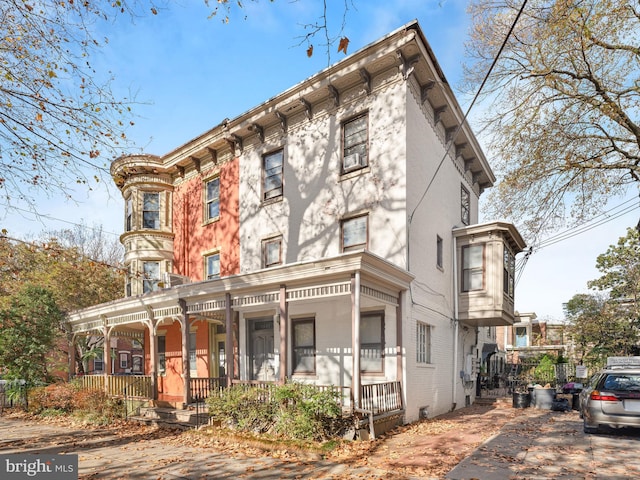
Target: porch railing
(201, 388)
(136, 386)
(381, 397)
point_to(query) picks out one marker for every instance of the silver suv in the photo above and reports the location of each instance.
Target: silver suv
(612, 396)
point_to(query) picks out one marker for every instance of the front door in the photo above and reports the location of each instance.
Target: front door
(261, 351)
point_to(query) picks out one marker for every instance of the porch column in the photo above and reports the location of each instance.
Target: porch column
(284, 323)
(228, 340)
(399, 367)
(153, 359)
(186, 370)
(355, 338)
(106, 356)
(72, 355)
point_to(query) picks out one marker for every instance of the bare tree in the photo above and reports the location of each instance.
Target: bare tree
(60, 124)
(563, 105)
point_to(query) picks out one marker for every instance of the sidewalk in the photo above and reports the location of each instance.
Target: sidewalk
(552, 445)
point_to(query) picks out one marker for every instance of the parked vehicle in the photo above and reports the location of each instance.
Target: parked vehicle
(612, 396)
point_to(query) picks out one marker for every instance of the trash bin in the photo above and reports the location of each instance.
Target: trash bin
(544, 398)
(521, 400)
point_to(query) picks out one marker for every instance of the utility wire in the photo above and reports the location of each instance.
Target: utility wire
(475, 98)
(50, 217)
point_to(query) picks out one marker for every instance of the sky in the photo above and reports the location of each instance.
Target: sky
(188, 72)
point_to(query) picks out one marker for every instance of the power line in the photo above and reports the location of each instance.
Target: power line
(609, 216)
(475, 98)
(50, 217)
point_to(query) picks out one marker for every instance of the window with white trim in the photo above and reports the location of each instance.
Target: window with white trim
(98, 364)
(212, 199)
(212, 264)
(472, 267)
(124, 361)
(151, 210)
(423, 342)
(439, 251)
(129, 214)
(354, 233)
(355, 140)
(151, 276)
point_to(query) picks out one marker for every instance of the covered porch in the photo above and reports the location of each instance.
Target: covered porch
(332, 323)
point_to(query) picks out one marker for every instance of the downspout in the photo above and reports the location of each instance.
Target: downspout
(454, 393)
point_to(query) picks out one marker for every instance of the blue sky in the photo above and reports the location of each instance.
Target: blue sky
(188, 73)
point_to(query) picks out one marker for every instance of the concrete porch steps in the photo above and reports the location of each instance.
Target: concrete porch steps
(172, 418)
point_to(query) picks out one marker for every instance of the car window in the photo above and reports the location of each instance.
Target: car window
(594, 380)
(624, 382)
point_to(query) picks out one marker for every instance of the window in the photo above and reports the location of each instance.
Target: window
(465, 204)
(162, 354)
(129, 214)
(521, 337)
(213, 199)
(124, 360)
(151, 276)
(128, 281)
(98, 364)
(272, 165)
(272, 252)
(213, 266)
(354, 233)
(193, 365)
(472, 267)
(151, 210)
(304, 345)
(371, 342)
(509, 272)
(136, 363)
(438, 251)
(423, 343)
(355, 144)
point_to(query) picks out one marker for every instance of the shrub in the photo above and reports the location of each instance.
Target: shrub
(292, 411)
(91, 405)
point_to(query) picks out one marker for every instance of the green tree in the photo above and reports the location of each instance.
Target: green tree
(620, 268)
(563, 105)
(64, 264)
(599, 328)
(28, 328)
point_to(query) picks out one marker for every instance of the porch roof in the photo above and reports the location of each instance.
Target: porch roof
(322, 278)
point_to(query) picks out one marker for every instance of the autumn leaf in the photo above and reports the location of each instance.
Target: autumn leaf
(310, 51)
(342, 46)
(39, 117)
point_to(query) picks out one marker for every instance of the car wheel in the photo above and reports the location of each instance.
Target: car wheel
(589, 428)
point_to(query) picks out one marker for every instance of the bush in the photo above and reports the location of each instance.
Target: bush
(94, 406)
(292, 411)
